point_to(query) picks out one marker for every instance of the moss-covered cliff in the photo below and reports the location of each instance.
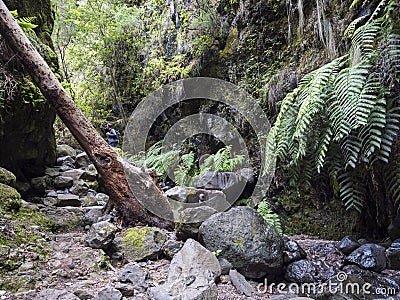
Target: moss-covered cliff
(26, 119)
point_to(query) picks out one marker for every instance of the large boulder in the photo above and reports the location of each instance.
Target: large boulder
(246, 240)
(141, 243)
(10, 199)
(101, 235)
(191, 275)
(369, 257)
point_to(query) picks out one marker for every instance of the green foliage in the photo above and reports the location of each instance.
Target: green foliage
(343, 117)
(24, 22)
(222, 161)
(272, 218)
(183, 166)
(113, 53)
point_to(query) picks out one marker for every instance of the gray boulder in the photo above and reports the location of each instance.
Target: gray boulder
(369, 257)
(61, 182)
(89, 200)
(50, 201)
(65, 218)
(301, 271)
(135, 276)
(246, 240)
(100, 235)
(65, 150)
(82, 160)
(108, 293)
(141, 243)
(347, 245)
(52, 294)
(190, 220)
(191, 275)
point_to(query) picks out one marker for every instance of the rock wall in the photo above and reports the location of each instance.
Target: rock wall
(26, 119)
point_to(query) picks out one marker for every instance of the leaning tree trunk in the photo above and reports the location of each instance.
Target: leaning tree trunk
(105, 159)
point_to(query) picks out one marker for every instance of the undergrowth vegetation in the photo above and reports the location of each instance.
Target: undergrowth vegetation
(182, 168)
(343, 118)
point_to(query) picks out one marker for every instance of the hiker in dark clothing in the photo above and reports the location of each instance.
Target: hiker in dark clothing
(112, 136)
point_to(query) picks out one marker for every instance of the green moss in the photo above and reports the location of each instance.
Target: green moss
(134, 237)
(6, 176)
(10, 199)
(231, 43)
(305, 214)
(24, 227)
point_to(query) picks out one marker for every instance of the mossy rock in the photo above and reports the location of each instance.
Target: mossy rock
(10, 199)
(305, 214)
(141, 243)
(7, 177)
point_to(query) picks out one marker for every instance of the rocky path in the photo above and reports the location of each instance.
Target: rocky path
(72, 268)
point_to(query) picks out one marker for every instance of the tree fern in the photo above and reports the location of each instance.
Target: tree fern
(344, 116)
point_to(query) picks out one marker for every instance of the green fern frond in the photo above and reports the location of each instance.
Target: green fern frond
(351, 191)
(392, 178)
(341, 120)
(272, 218)
(24, 22)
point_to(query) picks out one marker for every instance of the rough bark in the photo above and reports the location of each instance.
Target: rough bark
(105, 159)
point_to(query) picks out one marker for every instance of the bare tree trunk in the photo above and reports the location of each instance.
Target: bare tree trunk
(105, 159)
